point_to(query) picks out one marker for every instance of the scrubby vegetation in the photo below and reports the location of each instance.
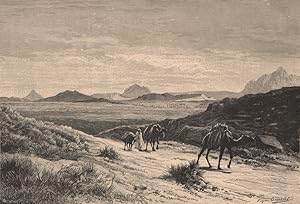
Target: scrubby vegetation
(189, 175)
(23, 182)
(109, 153)
(29, 136)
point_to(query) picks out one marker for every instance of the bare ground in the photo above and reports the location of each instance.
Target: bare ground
(139, 175)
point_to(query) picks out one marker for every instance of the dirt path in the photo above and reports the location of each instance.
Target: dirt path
(242, 184)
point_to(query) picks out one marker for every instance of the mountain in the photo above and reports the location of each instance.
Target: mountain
(135, 91)
(276, 80)
(68, 96)
(33, 96)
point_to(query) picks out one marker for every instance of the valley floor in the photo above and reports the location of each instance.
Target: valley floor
(139, 173)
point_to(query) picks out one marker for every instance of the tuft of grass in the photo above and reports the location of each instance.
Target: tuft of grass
(23, 182)
(109, 153)
(189, 175)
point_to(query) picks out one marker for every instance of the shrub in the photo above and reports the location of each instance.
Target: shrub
(108, 152)
(189, 175)
(23, 182)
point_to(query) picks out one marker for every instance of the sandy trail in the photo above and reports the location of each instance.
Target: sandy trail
(241, 184)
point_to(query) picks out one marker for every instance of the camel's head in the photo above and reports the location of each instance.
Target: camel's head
(156, 127)
(249, 138)
(163, 132)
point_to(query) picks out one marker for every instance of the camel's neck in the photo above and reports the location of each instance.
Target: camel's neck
(239, 141)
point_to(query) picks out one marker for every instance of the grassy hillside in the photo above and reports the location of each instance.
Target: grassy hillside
(41, 162)
(44, 139)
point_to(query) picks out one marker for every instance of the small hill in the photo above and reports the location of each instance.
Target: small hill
(33, 96)
(135, 91)
(68, 96)
(275, 80)
(156, 96)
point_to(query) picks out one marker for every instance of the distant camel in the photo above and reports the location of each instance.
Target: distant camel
(152, 135)
(128, 138)
(220, 136)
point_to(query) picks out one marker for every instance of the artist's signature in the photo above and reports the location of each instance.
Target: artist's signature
(274, 200)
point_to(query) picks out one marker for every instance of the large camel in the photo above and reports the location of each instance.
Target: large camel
(220, 136)
(152, 135)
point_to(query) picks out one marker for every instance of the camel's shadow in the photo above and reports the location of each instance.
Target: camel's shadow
(225, 171)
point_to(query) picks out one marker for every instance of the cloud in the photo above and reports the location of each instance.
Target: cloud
(100, 46)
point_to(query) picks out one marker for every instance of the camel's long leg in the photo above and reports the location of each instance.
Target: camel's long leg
(146, 146)
(208, 150)
(157, 141)
(153, 145)
(125, 146)
(220, 156)
(231, 156)
(201, 152)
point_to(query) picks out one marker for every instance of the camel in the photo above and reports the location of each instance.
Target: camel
(220, 136)
(128, 138)
(152, 135)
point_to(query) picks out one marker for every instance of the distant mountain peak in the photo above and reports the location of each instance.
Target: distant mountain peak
(280, 70)
(68, 96)
(275, 80)
(135, 91)
(33, 96)
(70, 91)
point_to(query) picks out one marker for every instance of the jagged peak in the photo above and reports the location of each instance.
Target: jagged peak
(33, 96)
(280, 69)
(33, 91)
(275, 80)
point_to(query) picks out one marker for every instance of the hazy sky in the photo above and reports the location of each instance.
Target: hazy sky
(166, 45)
